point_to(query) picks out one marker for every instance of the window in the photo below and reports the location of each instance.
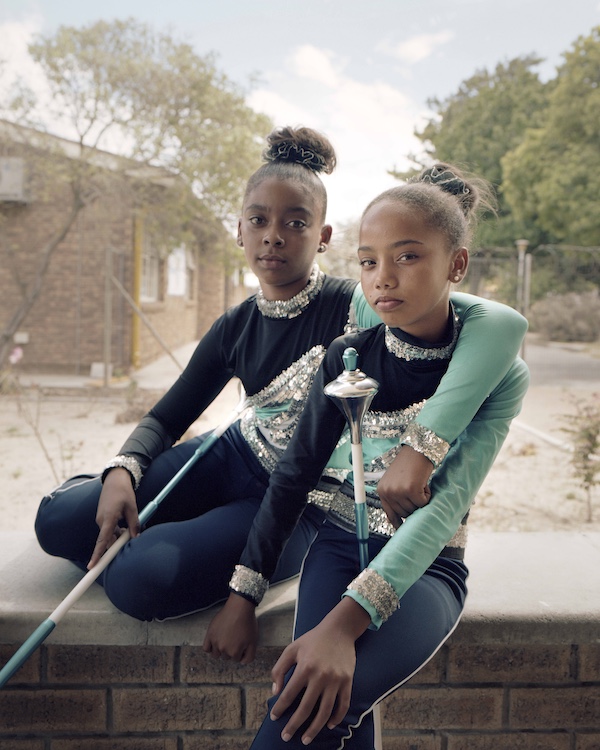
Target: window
(151, 290)
(181, 274)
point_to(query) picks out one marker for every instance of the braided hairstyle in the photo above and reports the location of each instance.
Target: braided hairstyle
(297, 154)
(446, 199)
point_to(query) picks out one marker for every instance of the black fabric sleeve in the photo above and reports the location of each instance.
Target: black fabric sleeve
(206, 374)
(297, 472)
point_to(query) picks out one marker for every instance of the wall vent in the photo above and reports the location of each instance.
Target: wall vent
(12, 180)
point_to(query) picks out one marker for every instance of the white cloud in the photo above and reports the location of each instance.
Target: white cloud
(283, 110)
(370, 125)
(417, 48)
(15, 37)
(315, 64)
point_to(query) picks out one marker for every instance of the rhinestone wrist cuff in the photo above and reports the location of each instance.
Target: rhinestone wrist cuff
(130, 464)
(377, 591)
(425, 441)
(248, 583)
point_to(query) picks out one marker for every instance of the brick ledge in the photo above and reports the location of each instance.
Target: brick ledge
(524, 587)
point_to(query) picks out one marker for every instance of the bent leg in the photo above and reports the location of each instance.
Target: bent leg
(386, 658)
(66, 519)
(174, 569)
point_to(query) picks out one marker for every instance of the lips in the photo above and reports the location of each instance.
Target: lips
(271, 260)
(387, 304)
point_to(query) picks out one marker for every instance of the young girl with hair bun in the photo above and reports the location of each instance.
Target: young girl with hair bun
(359, 635)
(274, 342)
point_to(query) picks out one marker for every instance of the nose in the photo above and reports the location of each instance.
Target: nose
(384, 278)
(272, 238)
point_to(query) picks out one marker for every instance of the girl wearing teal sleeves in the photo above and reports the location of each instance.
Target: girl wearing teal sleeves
(360, 634)
(274, 342)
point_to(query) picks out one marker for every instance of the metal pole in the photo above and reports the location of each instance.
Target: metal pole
(522, 294)
(107, 315)
(355, 391)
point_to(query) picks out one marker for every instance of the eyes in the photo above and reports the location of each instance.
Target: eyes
(401, 259)
(260, 221)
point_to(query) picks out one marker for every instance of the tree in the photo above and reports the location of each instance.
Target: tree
(552, 177)
(154, 101)
(475, 127)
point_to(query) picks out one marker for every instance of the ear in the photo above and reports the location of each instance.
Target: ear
(240, 241)
(326, 232)
(459, 265)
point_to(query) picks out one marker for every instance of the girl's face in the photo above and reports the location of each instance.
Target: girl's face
(406, 269)
(280, 230)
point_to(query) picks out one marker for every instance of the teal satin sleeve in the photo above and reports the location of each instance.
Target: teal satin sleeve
(424, 534)
(488, 344)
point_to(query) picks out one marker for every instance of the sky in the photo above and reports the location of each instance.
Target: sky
(360, 71)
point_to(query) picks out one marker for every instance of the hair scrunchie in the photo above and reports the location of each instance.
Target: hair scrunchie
(445, 179)
(289, 152)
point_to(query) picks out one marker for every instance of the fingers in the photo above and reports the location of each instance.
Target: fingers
(133, 520)
(395, 513)
(333, 701)
(231, 637)
(282, 666)
(244, 654)
(330, 696)
(106, 538)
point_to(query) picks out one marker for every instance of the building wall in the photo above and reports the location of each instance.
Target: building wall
(65, 329)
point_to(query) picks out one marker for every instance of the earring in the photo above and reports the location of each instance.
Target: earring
(456, 278)
(322, 247)
(240, 242)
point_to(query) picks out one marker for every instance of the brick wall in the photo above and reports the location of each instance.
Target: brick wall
(67, 322)
(469, 697)
(520, 672)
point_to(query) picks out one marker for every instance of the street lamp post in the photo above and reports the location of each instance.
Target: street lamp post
(523, 281)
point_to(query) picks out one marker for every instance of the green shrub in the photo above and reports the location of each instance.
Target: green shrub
(584, 428)
(567, 317)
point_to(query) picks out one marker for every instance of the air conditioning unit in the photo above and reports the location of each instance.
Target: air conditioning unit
(12, 180)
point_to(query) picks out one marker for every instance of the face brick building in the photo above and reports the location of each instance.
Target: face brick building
(79, 239)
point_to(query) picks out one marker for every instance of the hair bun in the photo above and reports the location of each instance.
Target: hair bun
(292, 152)
(445, 179)
(301, 146)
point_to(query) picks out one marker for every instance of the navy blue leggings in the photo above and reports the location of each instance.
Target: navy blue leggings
(385, 658)
(183, 561)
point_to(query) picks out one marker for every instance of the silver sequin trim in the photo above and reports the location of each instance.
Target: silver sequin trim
(425, 441)
(340, 507)
(249, 583)
(392, 424)
(269, 423)
(404, 350)
(291, 308)
(459, 540)
(377, 591)
(130, 464)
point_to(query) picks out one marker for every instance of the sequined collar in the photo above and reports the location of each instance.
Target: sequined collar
(411, 351)
(291, 308)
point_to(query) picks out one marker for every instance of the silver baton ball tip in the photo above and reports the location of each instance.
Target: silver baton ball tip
(355, 391)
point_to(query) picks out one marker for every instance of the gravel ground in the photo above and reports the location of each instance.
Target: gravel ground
(46, 437)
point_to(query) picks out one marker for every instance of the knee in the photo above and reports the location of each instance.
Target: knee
(45, 527)
(65, 520)
(132, 589)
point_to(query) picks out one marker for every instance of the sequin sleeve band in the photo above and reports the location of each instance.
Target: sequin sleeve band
(248, 583)
(130, 464)
(376, 592)
(425, 441)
